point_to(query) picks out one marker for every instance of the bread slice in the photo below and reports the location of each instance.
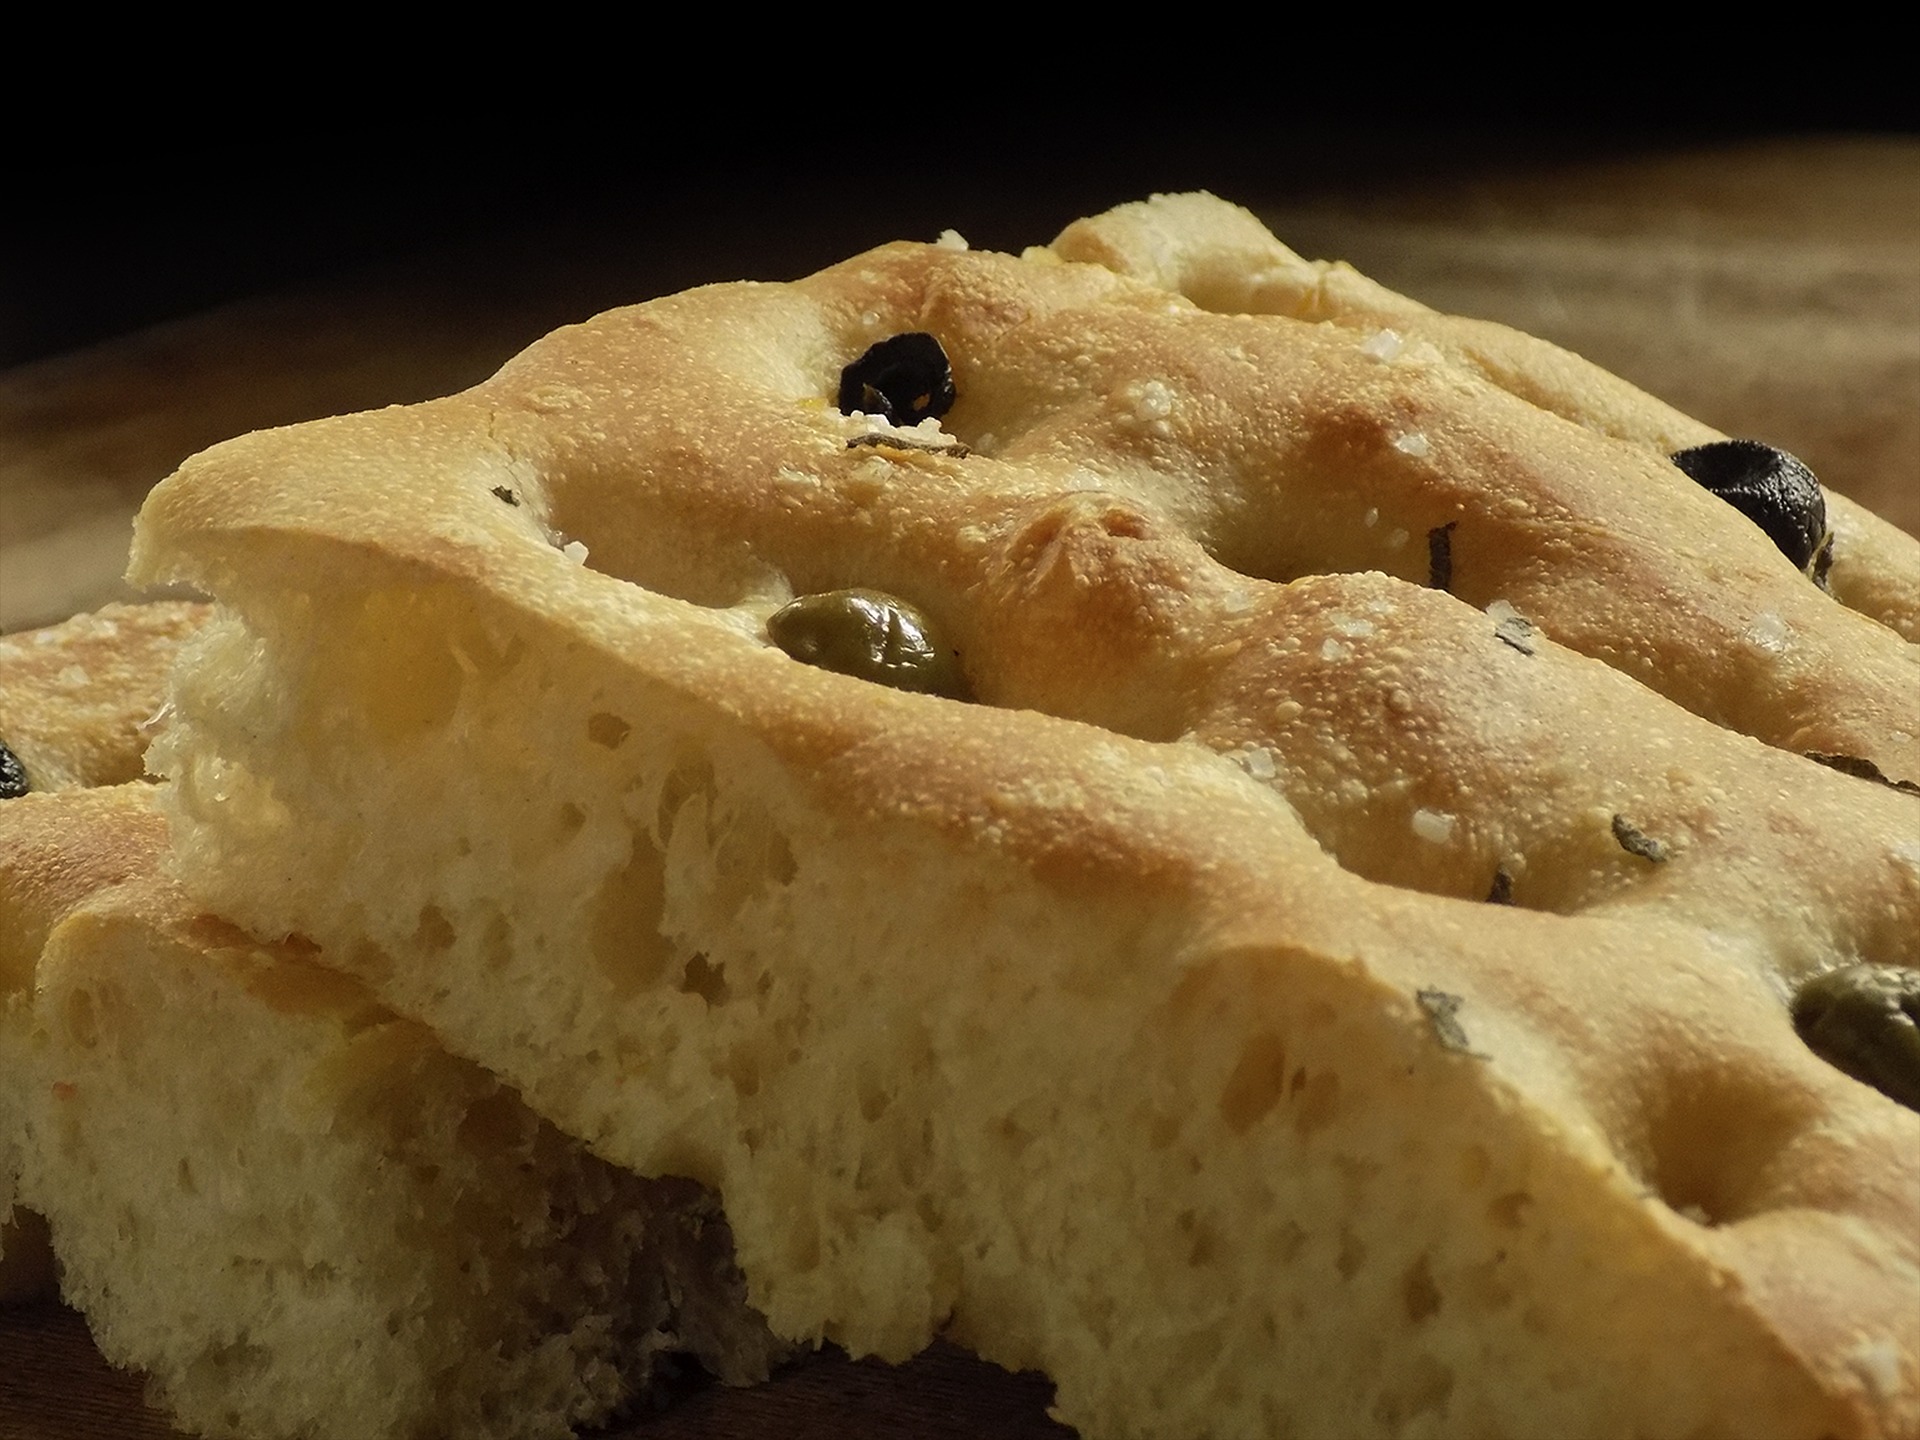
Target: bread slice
(1144, 1021)
(75, 699)
(293, 1209)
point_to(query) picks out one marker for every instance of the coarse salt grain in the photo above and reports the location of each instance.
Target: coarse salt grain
(1259, 762)
(1415, 444)
(952, 240)
(1331, 649)
(1153, 401)
(1878, 1363)
(1769, 632)
(1382, 344)
(1434, 826)
(575, 551)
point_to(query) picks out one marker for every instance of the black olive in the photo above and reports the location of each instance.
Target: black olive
(1772, 489)
(13, 775)
(869, 635)
(1861, 770)
(1865, 1020)
(905, 378)
(1440, 556)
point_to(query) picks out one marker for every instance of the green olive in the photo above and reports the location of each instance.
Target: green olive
(1865, 1020)
(872, 636)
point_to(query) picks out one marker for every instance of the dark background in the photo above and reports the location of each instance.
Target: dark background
(134, 231)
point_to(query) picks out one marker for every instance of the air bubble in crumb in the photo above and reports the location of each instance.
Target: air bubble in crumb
(1415, 444)
(1382, 344)
(575, 551)
(952, 240)
(1434, 826)
(1769, 632)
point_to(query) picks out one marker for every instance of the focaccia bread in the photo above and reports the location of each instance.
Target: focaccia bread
(288, 1206)
(1246, 845)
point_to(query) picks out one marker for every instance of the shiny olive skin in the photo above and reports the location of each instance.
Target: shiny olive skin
(905, 378)
(1774, 490)
(869, 635)
(1865, 1020)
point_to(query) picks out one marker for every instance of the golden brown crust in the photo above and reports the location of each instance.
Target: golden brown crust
(57, 851)
(1178, 534)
